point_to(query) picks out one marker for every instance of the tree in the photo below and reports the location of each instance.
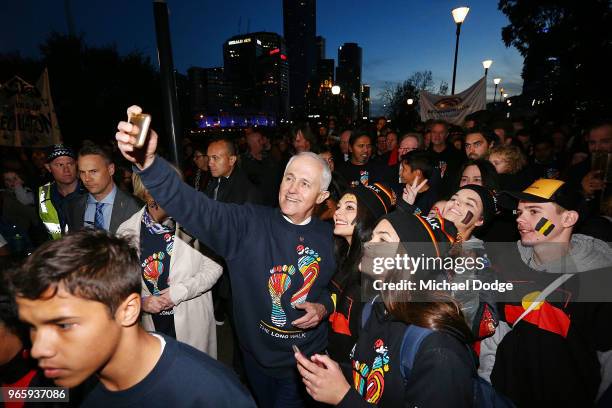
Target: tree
(396, 98)
(564, 44)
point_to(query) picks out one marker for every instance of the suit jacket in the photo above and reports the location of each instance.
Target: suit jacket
(235, 189)
(124, 206)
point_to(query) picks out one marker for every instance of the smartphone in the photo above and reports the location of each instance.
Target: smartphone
(142, 121)
(296, 349)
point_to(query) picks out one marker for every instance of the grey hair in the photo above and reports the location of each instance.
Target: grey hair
(326, 175)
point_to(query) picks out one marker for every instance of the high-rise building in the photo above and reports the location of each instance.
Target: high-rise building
(240, 56)
(272, 85)
(365, 101)
(348, 76)
(300, 27)
(320, 44)
(208, 90)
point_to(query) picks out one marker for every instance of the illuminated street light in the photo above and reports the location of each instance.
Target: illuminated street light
(410, 101)
(496, 81)
(486, 65)
(335, 90)
(459, 15)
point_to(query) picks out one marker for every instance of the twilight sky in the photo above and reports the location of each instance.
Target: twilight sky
(398, 37)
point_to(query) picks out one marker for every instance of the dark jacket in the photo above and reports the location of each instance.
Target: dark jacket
(235, 189)
(124, 207)
(273, 265)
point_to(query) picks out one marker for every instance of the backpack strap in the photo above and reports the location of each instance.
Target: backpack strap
(413, 337)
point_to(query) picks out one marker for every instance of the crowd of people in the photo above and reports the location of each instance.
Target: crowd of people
(123, 266)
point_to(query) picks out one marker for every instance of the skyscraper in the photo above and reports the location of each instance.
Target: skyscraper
(272, 86)
(348, 76)
(240, 56)
(209, 92)
(320, 44)
(300, 27)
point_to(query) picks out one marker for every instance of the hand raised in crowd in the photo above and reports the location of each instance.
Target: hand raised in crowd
(155, 304)
(315, 312)
(323, 378)
(592, 182)
(126, 141)
(411, 191)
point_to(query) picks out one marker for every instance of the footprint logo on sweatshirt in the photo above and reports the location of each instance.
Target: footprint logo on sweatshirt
(278, 283)
(308, 265)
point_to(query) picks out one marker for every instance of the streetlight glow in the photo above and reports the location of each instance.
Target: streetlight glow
(487, 64)
(496, 81)
(459, 14)
(335, 90)
(410, 101)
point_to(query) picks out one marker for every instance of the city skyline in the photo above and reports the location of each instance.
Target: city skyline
(397, 38)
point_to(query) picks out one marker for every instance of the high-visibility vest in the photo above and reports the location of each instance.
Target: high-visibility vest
(48, 213)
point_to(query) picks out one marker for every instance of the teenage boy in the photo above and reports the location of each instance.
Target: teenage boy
(554, 341)
(80, 296)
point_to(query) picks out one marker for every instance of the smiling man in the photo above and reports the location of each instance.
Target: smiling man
(280, 261)
(555, 328)
(105, 207)
(81, 297)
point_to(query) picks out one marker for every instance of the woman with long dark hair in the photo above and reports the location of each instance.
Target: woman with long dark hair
(442, 371)
(354, 219)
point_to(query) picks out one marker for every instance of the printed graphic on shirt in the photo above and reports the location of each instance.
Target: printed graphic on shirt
(153, 268)
(370, 382)
(169, 243)
(339, 319)
(545, 316)
(308, 265)
(279, 282)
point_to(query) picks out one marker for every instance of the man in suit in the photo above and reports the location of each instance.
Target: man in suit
(229, 183)
(106, 206)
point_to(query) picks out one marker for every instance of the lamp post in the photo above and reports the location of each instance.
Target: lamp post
(501, 94)
(496, 81)
(459, 15)
(410, 101)
(486, 65)
(505, 96)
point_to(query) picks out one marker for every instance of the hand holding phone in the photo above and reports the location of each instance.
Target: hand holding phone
(142, 121)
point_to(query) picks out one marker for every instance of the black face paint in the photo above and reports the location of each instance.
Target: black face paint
(544, 226)
(468, 217)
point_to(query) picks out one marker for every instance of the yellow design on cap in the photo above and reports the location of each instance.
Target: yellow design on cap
(544, 188)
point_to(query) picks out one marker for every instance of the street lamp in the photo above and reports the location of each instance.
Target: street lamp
(505, 96)
(487, 64)
(335, 90)
(410, 101)
(501, 94)
(459, 15)
(496, 81)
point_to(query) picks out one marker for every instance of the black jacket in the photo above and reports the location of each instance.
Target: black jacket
(235, 189)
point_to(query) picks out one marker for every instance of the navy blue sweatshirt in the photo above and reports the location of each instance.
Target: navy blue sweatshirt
(273, 265)
(183, 377)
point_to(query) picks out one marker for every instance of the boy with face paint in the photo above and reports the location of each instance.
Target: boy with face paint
(565, 341)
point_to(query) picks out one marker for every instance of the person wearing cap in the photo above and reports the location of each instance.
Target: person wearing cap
(358, 211)
(554, 341)
(54, 196)
(443, 370)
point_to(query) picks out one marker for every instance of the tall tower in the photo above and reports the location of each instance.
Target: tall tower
(348, 75)
(300, 27)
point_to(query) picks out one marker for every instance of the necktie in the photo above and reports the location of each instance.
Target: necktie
(99, 220)
(217, 189)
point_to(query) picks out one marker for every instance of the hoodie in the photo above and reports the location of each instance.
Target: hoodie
(559, 353)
